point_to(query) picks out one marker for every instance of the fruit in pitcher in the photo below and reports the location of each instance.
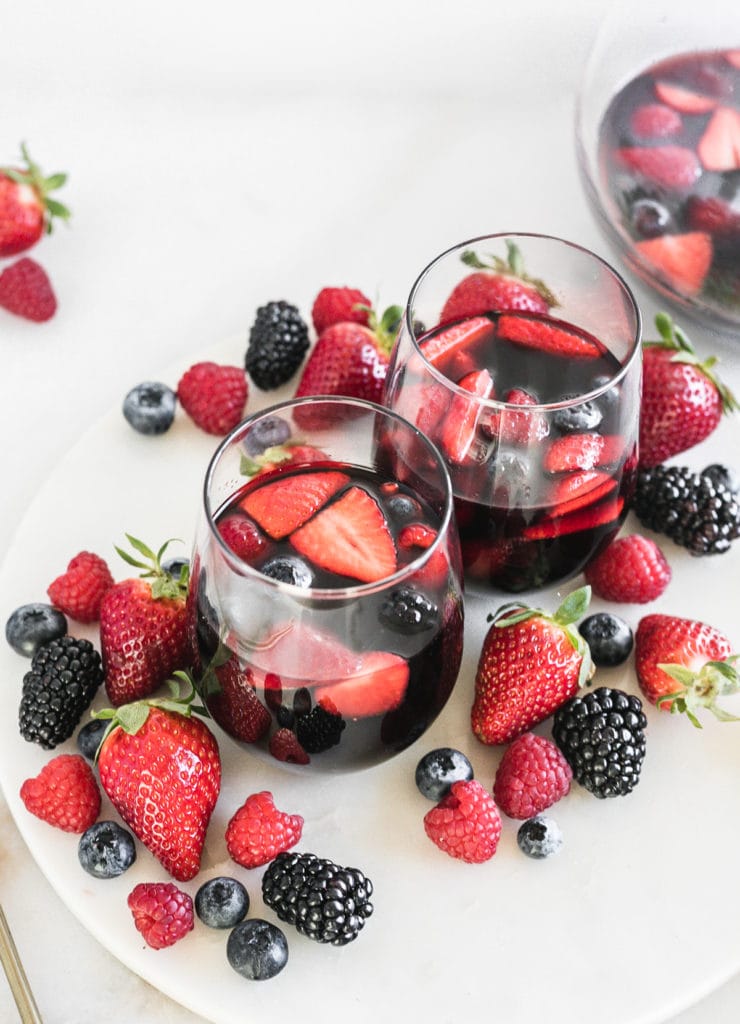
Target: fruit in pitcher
(683, 399)
(25, 290)
(496, 285)
(284, 505)
(213, 396)
(162, 913)
(64, 794)
(339, 305)
(159, 745)
(80, 590)
(673, 167)
(532, 776)
(530, 664)
(143, 627)
(27, 209)
(631, 569)
(278, 341)
(64, 677)
(466, 823)
(683, 260)
(684, 665)
(258, 831)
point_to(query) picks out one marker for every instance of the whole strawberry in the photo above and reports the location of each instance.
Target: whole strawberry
(213, 396)
(339, 305)
(258, 831)
(25, 290)
(683, 400)
(466, 823)
(530, 664)
(64, 794)
(684, 665)
(80, 590)
(348, 359)
(26, 208)
(162, 913)
(500, 285)
(143, 628)
(161, 769)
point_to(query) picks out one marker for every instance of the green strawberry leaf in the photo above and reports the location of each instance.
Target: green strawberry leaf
(574, 606)
(131, 717)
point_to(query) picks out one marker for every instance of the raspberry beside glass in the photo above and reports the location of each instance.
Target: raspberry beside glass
(532, 401)
(325, 610)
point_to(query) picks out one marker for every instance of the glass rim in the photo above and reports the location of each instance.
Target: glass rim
(327, 593)
(497, 404)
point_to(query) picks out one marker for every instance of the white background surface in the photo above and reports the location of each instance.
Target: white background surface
(223, 156)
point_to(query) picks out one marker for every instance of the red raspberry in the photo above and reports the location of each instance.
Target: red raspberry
(466, 823)
(65, 793)
(213, 396)
(632, 569)
(243, 536)
(79, 591)
(162, 913)
(258, 831)
(284, 746)
(339, 305)
(532, 775)
(26, 291)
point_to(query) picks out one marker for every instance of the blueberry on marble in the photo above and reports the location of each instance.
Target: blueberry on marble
(288, 569)
(609, 638)
(437, 770)
(222, 902)
(106, 850)
(266, 433)
(539, 837)
(257, 949)
(32, 625)
(89, 737)
(150, 407)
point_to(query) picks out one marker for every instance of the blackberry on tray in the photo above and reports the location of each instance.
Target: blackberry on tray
(278, 341)
(64, 677)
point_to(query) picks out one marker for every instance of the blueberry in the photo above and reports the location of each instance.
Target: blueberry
(89, 737)
(106, 850)
(150, 407)
(574, 419)
(407, 610)
(649, 218)
(257, 949)
(539, 837)
(609, 398)
(438, 769)
(288, 569)
(402, 508)
(222, 902)
(266, 433)
(723, 476)
(33, 625)
(176, 566)
(608, 637)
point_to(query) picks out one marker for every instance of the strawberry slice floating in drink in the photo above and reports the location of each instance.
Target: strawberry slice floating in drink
(548, 336)
(284, 505)
(459, 427)
(583, 451)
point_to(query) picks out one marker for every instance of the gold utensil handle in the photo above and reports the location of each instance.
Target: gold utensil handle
(17, 976)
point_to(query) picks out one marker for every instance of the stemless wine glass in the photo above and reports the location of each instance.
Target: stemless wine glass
(325, 608)
(525, 371)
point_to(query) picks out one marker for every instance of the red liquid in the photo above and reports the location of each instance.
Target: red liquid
(378, 686)
(706, 206)
(524, 519)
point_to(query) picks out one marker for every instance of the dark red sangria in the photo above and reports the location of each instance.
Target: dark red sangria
(325, 608)
(529, 386)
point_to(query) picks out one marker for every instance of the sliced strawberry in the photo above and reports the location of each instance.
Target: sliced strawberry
(582, 519)
(377, 687)
(349, 537)
(284, 505)
(683, 260)
(684, 100)
(713, 215)
(673, 167)
(547, 336)
(295, 654)
(578, 489)
(583, 451)
(655, 121)
(733, 56)
(418, 535)
(430, 408)
(458, 429)
(456, 337)
(517, 427)
(719, 146)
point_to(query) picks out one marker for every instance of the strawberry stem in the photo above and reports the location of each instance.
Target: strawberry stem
(512, 266)
(164, 584)
(701, 689)
(32, 175)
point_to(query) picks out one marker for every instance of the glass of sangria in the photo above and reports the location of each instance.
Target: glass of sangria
(519, 357)
(658, 145)
(325, 608)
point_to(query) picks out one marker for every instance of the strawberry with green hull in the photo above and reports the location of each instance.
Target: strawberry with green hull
(27, 209)
(143, 627)
(530, 664)
(496, 285)
(161, 769)
(685, 665)
(683, 400)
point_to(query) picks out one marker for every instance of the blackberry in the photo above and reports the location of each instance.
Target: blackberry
(60, 685)
(278, 341)
(602, 737)
(407, 610)
(319, 730)
(324, 901)
(696, 510)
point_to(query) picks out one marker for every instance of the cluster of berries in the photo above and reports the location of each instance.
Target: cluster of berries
(27, 211)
